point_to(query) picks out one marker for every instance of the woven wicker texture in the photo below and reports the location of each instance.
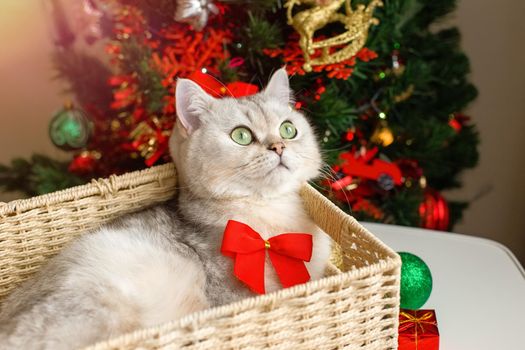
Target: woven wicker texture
(357, 309)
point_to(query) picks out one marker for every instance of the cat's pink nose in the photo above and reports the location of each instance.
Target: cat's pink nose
(277, 147)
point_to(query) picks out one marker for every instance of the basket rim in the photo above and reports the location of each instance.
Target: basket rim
(109, 186)
(101, 186)
(112, 184)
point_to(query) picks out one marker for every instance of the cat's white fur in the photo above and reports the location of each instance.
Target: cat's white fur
(152, 279)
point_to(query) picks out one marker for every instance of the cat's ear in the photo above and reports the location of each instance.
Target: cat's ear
(191, 101)
(279, 87)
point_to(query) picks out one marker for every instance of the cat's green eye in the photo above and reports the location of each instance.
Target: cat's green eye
(243, 136)
(287, 130)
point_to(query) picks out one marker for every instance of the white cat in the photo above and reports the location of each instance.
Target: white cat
(237, 159)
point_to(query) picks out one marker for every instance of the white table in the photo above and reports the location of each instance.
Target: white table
(478, 287)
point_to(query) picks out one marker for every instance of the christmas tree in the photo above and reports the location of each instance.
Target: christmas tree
(383, 86)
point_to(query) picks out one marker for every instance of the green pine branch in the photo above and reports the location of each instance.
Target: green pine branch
(137, 59)
(38, 175)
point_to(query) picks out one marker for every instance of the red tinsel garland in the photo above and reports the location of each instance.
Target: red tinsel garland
(176, 51)
(292, 55)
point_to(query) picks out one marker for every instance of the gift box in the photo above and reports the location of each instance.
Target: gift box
(418, 330)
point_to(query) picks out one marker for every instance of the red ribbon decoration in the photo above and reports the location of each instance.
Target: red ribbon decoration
(215, 88)
(287, 252)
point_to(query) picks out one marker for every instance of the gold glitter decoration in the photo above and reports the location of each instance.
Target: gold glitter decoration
(148, 146)
(115, 125)
(336, 258)
(323, 12)
(383, 135)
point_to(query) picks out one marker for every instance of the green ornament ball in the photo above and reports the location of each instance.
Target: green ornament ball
(416, 281)
(70, 128)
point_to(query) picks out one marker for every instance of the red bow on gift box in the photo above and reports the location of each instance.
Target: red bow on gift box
(215, 88)
(287, 252)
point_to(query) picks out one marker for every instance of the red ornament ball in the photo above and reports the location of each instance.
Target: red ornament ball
(83, 164)
(434, 211)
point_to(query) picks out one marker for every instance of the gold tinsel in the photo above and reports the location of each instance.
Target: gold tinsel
(323, 12)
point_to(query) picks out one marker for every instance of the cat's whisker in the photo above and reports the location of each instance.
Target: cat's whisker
(328, 173)
(328, 150)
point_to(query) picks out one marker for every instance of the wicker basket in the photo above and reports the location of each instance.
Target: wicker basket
(355, 309)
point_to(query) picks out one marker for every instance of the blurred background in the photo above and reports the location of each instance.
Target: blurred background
(492, 34)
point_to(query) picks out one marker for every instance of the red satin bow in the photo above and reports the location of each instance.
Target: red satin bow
(213, 87)
(248, 250)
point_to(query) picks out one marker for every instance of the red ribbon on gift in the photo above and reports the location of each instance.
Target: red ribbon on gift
(215, 88)
(287, 252)
(418, 330)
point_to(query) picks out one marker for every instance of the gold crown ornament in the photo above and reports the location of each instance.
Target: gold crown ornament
(307, 22)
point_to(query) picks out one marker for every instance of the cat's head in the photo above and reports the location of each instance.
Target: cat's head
(257, 145)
